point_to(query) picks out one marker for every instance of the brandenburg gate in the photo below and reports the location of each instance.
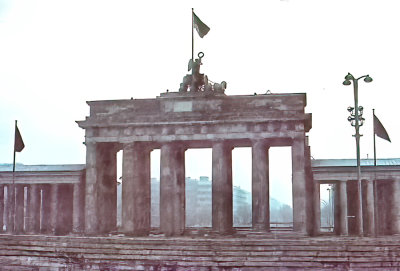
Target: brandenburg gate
(200, 115)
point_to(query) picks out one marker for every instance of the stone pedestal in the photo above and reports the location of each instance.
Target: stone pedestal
(172, 190)
(222, 211)
(299, 186)
(136, 204)
(260, 187)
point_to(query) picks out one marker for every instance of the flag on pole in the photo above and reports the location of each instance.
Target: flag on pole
(201, 27)
(379, 130)
(18, 142)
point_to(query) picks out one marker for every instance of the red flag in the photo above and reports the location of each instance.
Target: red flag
(379, 130)
(18, 142)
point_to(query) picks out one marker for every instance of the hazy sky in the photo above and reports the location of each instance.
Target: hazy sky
(55, 55)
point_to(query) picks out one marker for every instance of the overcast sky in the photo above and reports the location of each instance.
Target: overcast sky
(56, 55)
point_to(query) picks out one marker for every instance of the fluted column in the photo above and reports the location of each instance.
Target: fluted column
(368, 208)
(136, 205)
(260, 187)
(299, 189)
(222, 211)
(395, 208)
(33, 223)
(54, 211)
(172, 190)
(341, 227)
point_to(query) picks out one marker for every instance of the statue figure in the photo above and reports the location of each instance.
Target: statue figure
(197, 81)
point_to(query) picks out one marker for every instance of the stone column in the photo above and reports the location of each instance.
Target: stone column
(172, 190)
(395, 210)
(260, 187)
(77, 207)
(107, 187)
(33, 223)
(45, 220)
(19, 208)
(341, 227)
(1, 207)
(317, 208)
(54, 211)
(91, 226)
(368, 208)
(222, 211)
(299, 189)
(10, 208)
(65, 208)
(136, 205)
(101, 188)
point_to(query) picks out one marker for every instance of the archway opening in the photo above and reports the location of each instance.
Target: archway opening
(241, 192)
(198, 187)
(327, 207)
(155, 157)
(280, 188)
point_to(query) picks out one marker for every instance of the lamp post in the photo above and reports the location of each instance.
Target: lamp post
(357, 120)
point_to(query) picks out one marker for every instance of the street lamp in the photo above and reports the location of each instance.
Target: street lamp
(356, 120)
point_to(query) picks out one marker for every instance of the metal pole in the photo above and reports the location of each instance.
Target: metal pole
(375, 184)
(192, 35)
(357, 127)
(373, 116)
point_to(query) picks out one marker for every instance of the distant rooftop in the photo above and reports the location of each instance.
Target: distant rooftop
(353, 162)
(22, 167)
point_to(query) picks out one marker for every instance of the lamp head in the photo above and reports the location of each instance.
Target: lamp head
(346, 82)
(350, 108)
(349, 77)
(368, 79)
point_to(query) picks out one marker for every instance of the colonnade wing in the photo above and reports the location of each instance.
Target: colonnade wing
(380, 206)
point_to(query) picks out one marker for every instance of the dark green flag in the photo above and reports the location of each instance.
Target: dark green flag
(201, 27)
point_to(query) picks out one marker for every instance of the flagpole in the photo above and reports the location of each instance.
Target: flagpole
(15, 131)
(373, 116)
(192, 35)
(12, 192)
(375, 184)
